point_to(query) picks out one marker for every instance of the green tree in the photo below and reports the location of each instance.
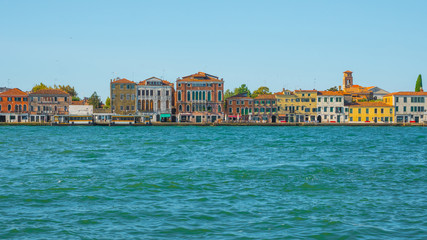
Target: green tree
(334, 89)
(242, 89)
(95, 100)
(75, 99)
(107, 103)
(419, 84)
(261, 91)
(228, 93)
(67, 88)
(38, 87)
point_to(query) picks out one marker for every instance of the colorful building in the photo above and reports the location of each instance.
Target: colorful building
(331, 108)
(46, 103)
(357, 92)
(200, 98)
(286, 106)
(370, 112)
(265, 109)
(123, 96)
(410, 107)
(239, 108)
(13, 106)
(305, 105)
(156, 97)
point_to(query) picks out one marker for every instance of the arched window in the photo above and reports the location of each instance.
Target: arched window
(9, 107)
(20, 108)
(193, 108)
(147, 105)
(179, 95)
(16, 108)
(0, 107)
(197, 95)
(219, 108)
(200, 95)
(188, 96)
(159, 106)
(204, 95)
(219, 96)
(209, 96)
(188, 108)
(180, 108)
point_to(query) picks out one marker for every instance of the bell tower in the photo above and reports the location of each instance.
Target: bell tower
(347, 79)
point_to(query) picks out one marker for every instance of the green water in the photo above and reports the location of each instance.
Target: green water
(213, 182)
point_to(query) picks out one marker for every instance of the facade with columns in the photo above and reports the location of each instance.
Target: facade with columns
(200, 98)
(155, 97)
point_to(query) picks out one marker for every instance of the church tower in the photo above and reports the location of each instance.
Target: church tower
(347, 79)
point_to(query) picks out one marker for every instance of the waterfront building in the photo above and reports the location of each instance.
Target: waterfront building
(370, 112)
(357, 92)
(239, 108)
(13, 106)
(200, 98)
(410, 107)
(265, 108)
(46, 103)
(331, 108)
(123, 96)
(305, 105)
(286, 106)
(156, 98)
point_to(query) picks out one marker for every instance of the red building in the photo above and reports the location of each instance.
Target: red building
(199, 98)
(13, 106)
(239, 108)
(265, 109)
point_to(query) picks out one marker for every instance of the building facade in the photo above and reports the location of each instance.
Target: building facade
(13, 106)
(46, 103)
(330, 106)
(239, 108)
(370, 112)
(123, 96)
(357, 92)
(265, 109)
(199, 98)
(156, 98)
(410, 107)
(305, 105)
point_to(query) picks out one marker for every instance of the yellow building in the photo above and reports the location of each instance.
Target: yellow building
(366, 112)
(297, 106)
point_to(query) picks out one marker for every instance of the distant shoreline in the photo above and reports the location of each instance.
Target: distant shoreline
(236, 124)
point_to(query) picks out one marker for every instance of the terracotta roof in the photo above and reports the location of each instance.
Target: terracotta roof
(123, 80)
(200, 76)
(305, 90)
(241, 95)
(407, 94)
(50, 92)
(164, 82)
(368, 104)
(332, 93)
(348, 71)
(14, 92)
(81, 102)
(266, 96)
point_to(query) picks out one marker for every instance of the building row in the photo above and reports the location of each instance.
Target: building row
(199, 98)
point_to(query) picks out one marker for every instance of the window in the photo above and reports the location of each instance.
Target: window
(167, 92)
(237, 110)
(351, 119)
(219, 108)
(179, 96)
(180, 106)
(307, 110)
(121, 108)
(188, 96)
(219, 96)
(332, 99)
(204, 95)
(230, 110)
(209, 96)
(158, 93)
(127, 96)
(133, 96)
(404, 99)
(262, 110)
(319, 99)
(397, 99)
(359, 119)
(375, 110)
(319, 109)
(9, 107)
(133, 108)
(151, 92)
(331, 109)
(193, 95)
(188, 108)
(397, 109)
(367, 110)
(367, 119)
(255, 109)
(325, 109)
(113, 86)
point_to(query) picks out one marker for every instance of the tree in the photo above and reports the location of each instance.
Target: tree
(228, 94)
(70, 90)
(38, 87)
(261, 91)
(242, 89)
(334, 89)
(95, 100)
(107, 103)
(75, 99)
(419, 84)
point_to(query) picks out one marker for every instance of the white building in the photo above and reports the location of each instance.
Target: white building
(410, 107)
(330, 106)
(155, 97)
(81, 110)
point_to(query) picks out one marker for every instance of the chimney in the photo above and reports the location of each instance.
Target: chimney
(339, 87)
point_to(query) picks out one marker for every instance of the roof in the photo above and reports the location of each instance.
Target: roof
(123, 80)
(13, 92)
(368, 104)
(164, 82)
(81, 102)
(49, 92)
(407, 94)
(306, 90)
(200, 76)
(348, 71)
(266, 96)
(240, 95)
(332, 93)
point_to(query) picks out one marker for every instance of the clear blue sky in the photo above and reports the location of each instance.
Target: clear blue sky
(292, 44)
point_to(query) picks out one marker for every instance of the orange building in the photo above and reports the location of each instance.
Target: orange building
(357, 92)
(13, 106)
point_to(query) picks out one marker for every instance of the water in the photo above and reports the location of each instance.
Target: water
(213, 182)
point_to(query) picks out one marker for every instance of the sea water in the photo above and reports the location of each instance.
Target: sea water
(213, 182)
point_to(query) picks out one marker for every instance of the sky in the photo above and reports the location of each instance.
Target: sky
(292, 44)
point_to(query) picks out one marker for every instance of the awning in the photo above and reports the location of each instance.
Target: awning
(233, 116)
(165, 115)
